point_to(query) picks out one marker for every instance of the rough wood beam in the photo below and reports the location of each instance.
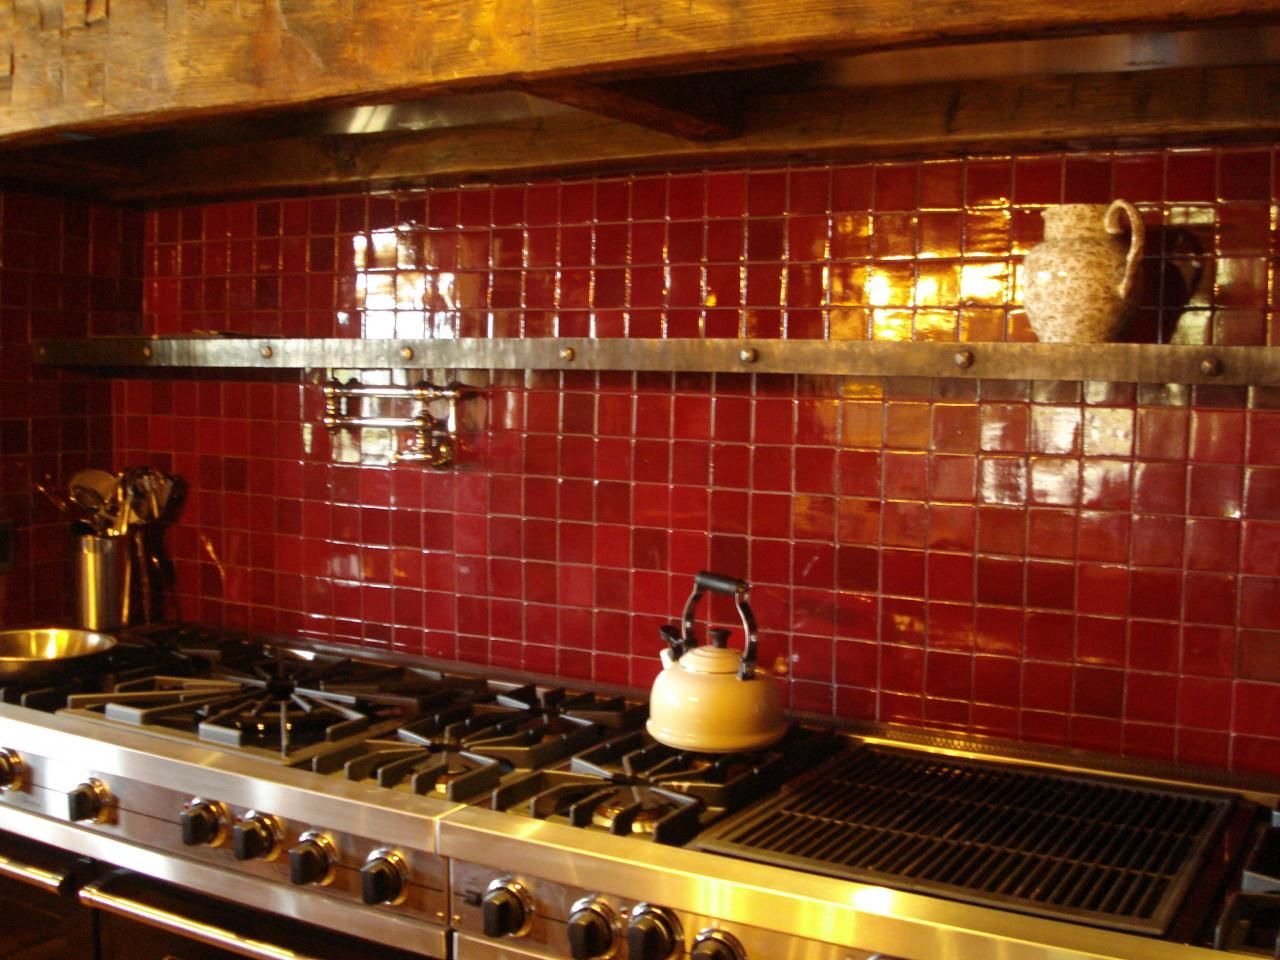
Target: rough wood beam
(695, 108)
(1161, 106)
(163, 61)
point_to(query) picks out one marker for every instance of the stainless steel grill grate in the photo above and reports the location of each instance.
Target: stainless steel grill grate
(1070, 847)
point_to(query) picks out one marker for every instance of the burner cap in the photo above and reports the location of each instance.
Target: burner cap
(651, 810)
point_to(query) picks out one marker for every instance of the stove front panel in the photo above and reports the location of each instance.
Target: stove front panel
(144, 787)
(554, 903)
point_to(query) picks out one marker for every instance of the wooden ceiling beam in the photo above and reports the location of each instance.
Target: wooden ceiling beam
(1168, 106)
(695, 108)
(133, 66)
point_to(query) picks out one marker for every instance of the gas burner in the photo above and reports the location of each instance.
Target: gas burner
(480, 747)
(582, 800)
(281, 719)
(726, 780)
(638, 809)
(232, 714)
(632, 785)
(613, 713)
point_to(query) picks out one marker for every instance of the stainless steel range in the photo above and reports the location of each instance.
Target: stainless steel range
(441, 814)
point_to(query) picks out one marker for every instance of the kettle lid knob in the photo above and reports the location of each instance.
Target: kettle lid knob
(719, 637)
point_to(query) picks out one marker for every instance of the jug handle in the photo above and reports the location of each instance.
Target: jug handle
(1137, 233)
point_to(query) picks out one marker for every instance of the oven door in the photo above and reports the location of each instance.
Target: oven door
(43, 920)
(145, 919)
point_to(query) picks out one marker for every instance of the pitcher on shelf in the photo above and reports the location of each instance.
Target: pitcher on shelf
(1081, 283)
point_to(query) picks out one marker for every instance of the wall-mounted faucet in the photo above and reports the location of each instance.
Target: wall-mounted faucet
(434, 439)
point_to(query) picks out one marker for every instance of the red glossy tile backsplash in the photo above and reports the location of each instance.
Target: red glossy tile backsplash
(67, 269)
(1090, 564)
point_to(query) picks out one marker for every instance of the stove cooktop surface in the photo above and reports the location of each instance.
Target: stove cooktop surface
(583, 760)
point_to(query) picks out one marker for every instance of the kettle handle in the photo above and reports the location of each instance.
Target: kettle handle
(732, 587)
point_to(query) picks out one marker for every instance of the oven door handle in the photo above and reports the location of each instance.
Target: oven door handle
(29, 873)
(53, 870)
(95, 896)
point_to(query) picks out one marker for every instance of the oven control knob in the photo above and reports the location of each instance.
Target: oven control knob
(507, 909)
(89, 803)
(202, 824)
(653, 933)
(384, 878)
(256, 836)
(717, 945)
(312, 860)
(13, 772)
(591, 929)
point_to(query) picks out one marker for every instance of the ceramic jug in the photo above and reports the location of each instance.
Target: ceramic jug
(1080, 283)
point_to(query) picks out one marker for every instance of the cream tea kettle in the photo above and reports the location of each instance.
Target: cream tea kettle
(710, 698)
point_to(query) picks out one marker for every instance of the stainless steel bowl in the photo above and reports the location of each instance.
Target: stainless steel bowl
(43, 652)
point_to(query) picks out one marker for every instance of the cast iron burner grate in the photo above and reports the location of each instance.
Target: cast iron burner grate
(1069, 847)
(460, 754)
(634, 786)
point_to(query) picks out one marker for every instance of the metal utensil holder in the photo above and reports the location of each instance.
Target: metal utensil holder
(102, 581)
(434, 440)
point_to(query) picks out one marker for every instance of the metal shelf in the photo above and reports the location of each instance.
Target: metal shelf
(1121, 362)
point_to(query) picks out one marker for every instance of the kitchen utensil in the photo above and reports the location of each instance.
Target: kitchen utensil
(98, 481)
(93, 491)
(62, 504)
(44, 652)
(710, 698)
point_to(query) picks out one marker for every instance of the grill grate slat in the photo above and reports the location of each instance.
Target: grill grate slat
(1067, 846)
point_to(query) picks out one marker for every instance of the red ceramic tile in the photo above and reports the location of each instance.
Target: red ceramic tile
(1037, 180)
(1162, 433)
(1046, 686)
(1261, 548)
(1004, 427)
(1105, 484)
(988, 183)
(1214, 490)
(1259, 602)
(1157, 541)
(1190, 176)
(1262, 493)
(1087, 180)
(1259, 655)
(1153, 646)
(1054, 481)
(1155, 594)
(1099, 691)
(895, 186)
(1140, 178)
(1100, 641)
(942, 185)
(851, 188)
(1244, 175)
(1256, 708)
(1104, 536)
(1212, 544)
(1160, 487)
(1002, 480)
